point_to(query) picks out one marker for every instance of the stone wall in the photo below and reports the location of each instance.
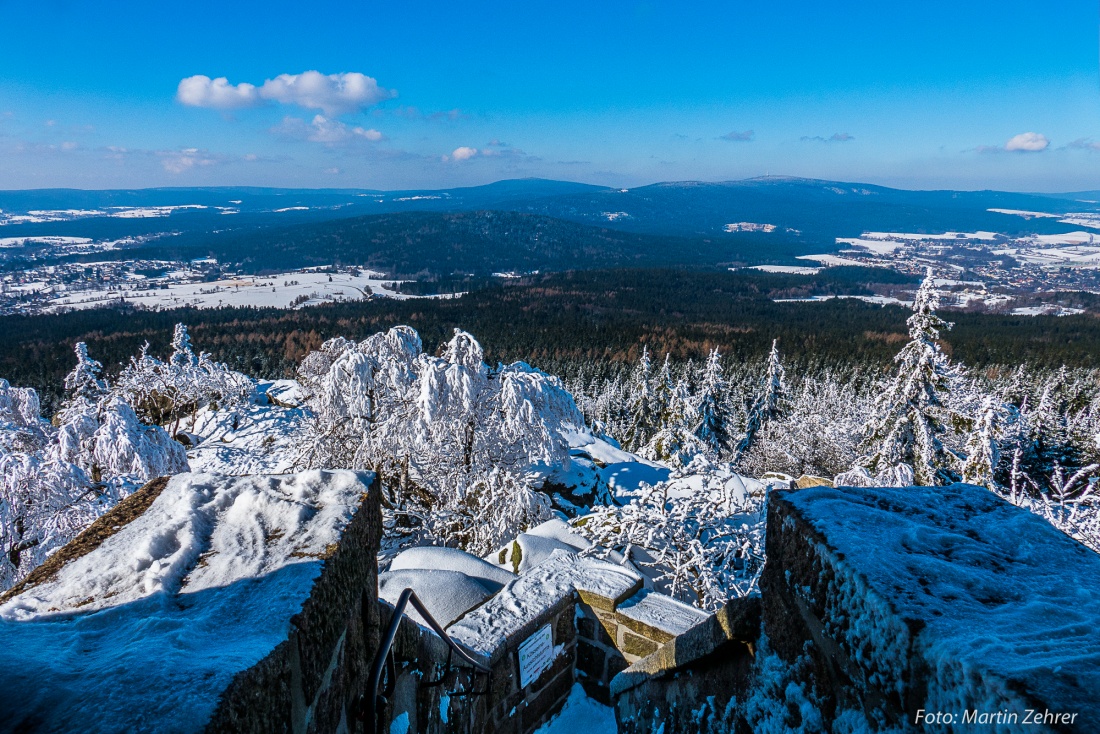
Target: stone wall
(311, 682)
(609, 640)
(601, 621)
(435, 698)
(914, 608)
(688, 684)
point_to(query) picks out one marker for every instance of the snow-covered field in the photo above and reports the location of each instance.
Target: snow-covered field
(297, 288)
(118, 212)
(788, 269)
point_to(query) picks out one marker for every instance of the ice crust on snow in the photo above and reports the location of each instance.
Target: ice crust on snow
(146, 630)
(561, 531)
(486, 629)
(996, 593)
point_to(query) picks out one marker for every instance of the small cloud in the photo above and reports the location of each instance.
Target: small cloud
(333, 94)
(449, 115)
(324, 130)
(1027, 143)
(185, 159)
(462, 153)
(69, 145)
(496, 143)
(834, 138)
(1083, 144)
(218, 94)
(738, 137)
(333, 171)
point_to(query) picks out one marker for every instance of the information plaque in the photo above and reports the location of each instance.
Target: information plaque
(536, 654)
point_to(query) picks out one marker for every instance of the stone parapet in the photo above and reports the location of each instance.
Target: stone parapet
(930, 608)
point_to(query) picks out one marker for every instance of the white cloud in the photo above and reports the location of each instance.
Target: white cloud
(463, 153)
(178, 161)
(1027, 143)
(218, 94)
(333, 94)
(324, 130)
(834, 138)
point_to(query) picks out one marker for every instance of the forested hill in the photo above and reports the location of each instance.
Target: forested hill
(478, 243)
(554, 320)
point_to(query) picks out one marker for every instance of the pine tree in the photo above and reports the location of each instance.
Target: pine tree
(772, 402)
(712, 427)
(909, 415)
(662, 395)
(982, 452)
(641, 416)
(85, 381)
(182, 353)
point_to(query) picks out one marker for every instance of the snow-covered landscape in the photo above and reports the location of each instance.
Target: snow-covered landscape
(570, 368)
(664, 473)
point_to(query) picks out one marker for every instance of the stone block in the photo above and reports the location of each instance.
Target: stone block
(637, 645)
(942, 599)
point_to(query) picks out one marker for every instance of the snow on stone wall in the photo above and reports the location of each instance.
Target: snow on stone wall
(146, 619)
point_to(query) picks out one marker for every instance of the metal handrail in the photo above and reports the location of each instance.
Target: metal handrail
(369, 702)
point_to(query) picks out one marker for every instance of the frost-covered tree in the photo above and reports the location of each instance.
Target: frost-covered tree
(712, 426)
(436, 428)
(703, 547)
(163, 393)
(675, 443)
(491, 509)
(54, 481)
(85, 382)
(183, 355)
(982, 450)
(910, 415)
(641, 411)
(770, 404)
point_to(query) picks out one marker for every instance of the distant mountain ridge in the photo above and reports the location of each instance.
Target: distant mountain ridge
(769, 219)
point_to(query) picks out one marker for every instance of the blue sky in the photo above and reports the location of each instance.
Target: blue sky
(422, 94)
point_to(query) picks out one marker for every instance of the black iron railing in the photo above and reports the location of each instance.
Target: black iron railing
(372, 704)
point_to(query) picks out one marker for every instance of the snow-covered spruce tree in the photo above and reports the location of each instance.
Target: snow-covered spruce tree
(910, 413)
(675, 443)
(641, 414)
(771, 403)
(712, 417)
(982, 450)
